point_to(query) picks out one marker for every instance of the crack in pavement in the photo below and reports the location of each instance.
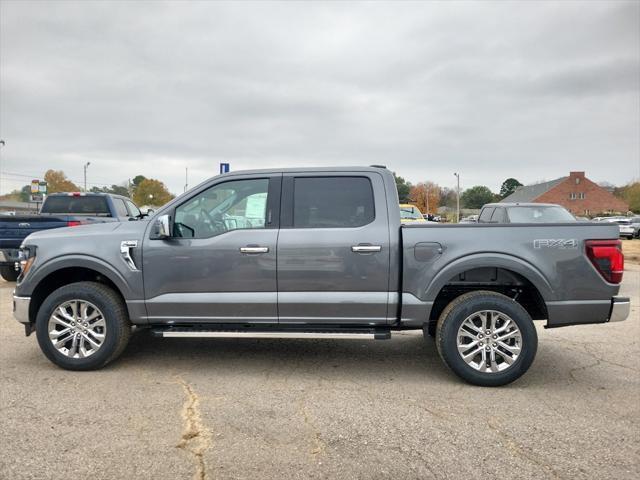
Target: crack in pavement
(196, 438)
(518, 450)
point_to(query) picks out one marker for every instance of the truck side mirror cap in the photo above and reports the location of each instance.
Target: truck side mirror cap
(161, 228)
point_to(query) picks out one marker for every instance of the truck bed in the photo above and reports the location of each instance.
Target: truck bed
(547, 261)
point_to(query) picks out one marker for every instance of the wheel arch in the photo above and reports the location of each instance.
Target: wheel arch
(66, 270)
(510, 276)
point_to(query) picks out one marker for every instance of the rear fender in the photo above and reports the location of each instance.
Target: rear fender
(489, 260)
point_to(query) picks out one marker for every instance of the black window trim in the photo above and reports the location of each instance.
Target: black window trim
(288, 192)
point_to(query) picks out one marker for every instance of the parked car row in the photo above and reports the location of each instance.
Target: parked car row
(629, 226)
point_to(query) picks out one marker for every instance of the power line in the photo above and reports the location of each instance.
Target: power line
(24, 175)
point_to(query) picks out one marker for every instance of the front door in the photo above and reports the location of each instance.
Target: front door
(333, 250)
(219, 266)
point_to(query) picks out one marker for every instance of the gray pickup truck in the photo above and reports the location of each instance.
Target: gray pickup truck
(315, 253)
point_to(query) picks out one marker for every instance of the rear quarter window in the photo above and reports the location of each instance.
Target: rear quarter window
(485, 215)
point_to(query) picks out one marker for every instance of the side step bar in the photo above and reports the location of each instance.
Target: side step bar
(368, 334)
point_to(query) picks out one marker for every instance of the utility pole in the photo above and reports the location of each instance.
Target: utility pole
(428, 186)
(86, 165)
(458, 198)
(186, 178)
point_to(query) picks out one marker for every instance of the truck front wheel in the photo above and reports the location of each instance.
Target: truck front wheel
(83, 326)
(9, 273)
(486, 338)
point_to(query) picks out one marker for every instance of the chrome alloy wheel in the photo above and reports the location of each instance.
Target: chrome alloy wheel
(489, 341)
(77, 328)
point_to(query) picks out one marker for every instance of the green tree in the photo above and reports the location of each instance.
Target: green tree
(25, 193)
(447, 197)
(137, 180)
(508, 187)
(151, 192)
(115, 189)
(476, 197)
(631, 194)
(403, 187)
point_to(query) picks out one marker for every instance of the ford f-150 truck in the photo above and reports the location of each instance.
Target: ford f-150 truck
(60, 210)
(315, 253)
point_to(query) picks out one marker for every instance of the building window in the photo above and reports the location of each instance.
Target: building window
(576, 196)
(581, 195)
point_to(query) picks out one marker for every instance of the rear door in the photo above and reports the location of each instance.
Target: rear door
(333, 249)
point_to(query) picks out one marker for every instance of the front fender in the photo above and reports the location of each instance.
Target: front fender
(490, 260)
(129, 290)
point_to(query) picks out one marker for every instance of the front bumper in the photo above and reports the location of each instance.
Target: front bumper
(21, 309)
(9, 256)
(620, 308)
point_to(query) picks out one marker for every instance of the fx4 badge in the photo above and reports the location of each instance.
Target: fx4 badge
(561, 243)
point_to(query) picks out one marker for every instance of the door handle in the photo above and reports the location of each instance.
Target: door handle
(254, 249)
(366, 248)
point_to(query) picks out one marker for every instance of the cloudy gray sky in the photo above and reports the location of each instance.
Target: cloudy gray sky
(489, 89)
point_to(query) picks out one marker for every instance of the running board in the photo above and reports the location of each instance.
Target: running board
(368, 334)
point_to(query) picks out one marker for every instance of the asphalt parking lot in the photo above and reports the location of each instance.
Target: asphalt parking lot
(182, 409)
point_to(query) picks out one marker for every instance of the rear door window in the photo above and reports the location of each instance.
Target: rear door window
(121, 208)
(332, 202)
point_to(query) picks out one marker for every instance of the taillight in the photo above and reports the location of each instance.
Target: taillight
(73, 223)
(607, 257)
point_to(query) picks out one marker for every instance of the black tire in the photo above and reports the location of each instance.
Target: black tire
(9, 273)
(118, 327)
(466, 305)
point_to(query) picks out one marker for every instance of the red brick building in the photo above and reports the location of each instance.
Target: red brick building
(576, 193)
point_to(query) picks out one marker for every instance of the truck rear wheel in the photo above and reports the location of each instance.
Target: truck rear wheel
(486, 338)
(83, 326)
(9, 273)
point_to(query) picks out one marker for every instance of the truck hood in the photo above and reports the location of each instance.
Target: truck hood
(84, 233)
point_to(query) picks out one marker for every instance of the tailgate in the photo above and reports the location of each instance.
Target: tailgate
(14, 229)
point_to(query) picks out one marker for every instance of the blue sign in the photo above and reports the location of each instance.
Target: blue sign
(224, 168)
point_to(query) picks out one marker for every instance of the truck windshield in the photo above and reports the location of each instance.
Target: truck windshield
(79, 205)
(539, 215)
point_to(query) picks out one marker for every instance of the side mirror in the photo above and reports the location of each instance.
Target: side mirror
(161, 228)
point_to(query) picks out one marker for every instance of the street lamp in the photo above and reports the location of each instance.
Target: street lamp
(458, 198)
(86, 165)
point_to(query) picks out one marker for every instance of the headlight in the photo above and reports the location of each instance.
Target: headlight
(26, 257)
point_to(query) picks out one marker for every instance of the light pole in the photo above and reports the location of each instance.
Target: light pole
(458, 198)
(86, 165)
